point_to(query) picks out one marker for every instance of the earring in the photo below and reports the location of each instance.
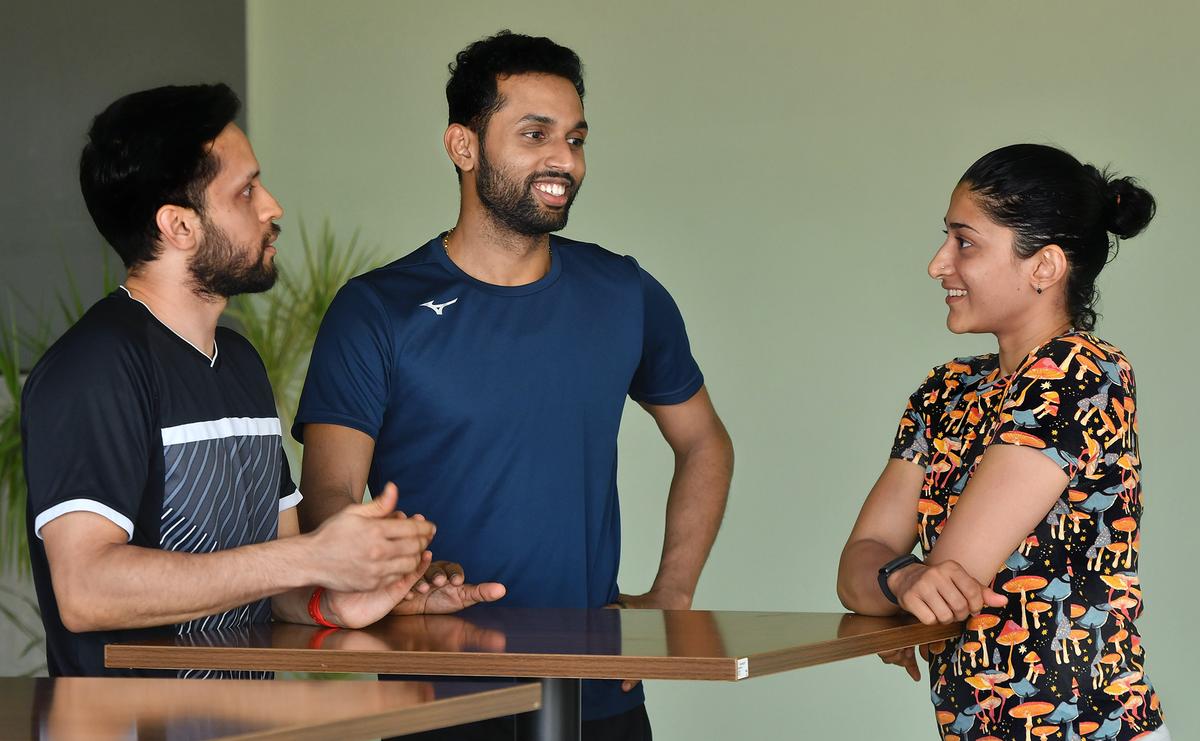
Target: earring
(1039, 289)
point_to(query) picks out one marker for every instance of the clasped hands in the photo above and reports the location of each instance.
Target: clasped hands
(939, 593)
(375, 562)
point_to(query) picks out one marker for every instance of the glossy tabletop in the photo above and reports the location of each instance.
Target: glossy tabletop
(491, 640)
(196, 709)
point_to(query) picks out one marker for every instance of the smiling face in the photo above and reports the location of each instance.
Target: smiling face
(531, 162)
(988, 287)
(236, 253)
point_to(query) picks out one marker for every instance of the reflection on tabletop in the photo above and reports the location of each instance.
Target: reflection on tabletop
(648, 633)
(128, 708)
(495, 641)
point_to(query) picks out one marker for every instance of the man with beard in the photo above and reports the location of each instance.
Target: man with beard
(159, 495)
(486, 373)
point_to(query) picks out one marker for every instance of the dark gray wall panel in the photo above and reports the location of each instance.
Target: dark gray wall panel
(60, 63)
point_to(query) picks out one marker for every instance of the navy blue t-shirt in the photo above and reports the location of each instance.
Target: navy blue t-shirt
(495, 410)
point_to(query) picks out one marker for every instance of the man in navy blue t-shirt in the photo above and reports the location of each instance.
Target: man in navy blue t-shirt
(486, 372)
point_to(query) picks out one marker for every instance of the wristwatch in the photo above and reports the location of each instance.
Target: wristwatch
(892, 567)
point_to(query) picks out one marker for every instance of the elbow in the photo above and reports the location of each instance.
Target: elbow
(81, 608)
(860, 604)
(712, 440)
(844, 597)
(845, 591)
(850, 592)
(718, 448)
(845, 582)
(91, 583)
(74, 614)
(726, 445)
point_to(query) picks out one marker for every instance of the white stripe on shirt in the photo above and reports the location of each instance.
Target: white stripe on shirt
(291, 500)
(83, 505)
(215, 429)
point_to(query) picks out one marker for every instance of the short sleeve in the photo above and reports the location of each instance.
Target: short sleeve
(289, 494)
(912, 433)
(666, 373)
(347, 382)
(1069, 400)
(88, 424)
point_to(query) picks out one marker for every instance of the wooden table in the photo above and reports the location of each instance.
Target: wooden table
(558, 646)
(112, 708)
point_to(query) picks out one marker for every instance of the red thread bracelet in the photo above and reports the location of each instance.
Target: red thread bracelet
(314, 609)
(319, 638)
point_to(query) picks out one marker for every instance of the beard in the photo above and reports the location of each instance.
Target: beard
(512, 202)
(221, 268)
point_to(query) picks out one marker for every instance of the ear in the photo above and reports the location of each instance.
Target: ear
(462, 144)
(1050, 267)
(178, 227)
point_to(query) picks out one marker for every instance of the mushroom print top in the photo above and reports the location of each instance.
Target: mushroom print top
(1063, 659)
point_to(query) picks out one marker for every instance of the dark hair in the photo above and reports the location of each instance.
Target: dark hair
(1048, 197)
(146, 150)
(471, 91)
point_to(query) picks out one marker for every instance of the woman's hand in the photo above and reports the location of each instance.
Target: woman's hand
(906, 659)
(941, 593)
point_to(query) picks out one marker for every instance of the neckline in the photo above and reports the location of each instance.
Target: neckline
(1034, 352)
(547, 280)
(216, 350)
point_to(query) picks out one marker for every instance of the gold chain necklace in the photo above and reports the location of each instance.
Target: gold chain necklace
(446, 243)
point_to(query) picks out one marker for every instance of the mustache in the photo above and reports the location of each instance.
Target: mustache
(552, 174)
(273, 232)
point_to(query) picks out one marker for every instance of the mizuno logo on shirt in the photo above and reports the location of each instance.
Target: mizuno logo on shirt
(438, 308)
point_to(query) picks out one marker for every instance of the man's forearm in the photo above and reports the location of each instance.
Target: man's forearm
(127, 586)
(320, 504)
(695, 507)
(334, 471)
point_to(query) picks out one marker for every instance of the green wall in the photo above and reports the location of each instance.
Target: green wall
(784, 168)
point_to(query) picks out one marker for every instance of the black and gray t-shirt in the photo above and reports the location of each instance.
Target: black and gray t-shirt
(126, 419)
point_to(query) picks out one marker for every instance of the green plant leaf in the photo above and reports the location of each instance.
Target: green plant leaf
(282, 323)
(14, 343)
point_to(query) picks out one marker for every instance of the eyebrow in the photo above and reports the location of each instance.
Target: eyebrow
(959, 225)
(546, 120)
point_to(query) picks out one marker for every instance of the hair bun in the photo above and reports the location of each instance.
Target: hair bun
(1130, 207)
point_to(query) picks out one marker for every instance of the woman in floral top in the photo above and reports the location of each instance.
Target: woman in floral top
(1026, 494)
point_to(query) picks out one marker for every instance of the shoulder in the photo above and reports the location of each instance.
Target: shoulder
(619, 272)
(953, 377)
(596, 259)
(1089, 346)
(963, 371)
(232, 346)
(1083, 356)
(104, 357)
(967, 365)
(112, 334)
(398, 282)
(421, 258)
(376, 303)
